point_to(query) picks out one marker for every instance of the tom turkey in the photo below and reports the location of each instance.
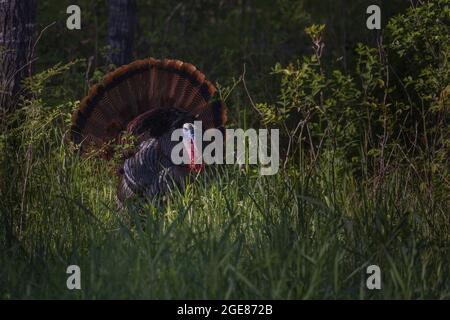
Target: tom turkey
(147, 100)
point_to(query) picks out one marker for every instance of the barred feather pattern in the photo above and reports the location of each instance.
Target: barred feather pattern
(150, 172)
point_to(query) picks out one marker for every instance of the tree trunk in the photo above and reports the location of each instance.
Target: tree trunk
(17, 21)
(121, 26)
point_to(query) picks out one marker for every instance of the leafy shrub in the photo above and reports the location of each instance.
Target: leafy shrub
(392, 105)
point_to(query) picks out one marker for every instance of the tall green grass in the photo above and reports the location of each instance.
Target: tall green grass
(308, 232)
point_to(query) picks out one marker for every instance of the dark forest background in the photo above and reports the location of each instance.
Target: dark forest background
(218, 37)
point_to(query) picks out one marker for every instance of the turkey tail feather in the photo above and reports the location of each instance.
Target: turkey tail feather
(214, 115)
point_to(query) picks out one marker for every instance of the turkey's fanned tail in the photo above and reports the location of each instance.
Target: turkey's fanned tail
(140, 87)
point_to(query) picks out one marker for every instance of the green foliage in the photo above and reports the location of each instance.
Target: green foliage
(420, 46)
(393, 102)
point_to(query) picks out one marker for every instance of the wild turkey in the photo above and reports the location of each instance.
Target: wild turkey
(146, 100)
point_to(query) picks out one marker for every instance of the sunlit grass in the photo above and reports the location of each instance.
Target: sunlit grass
(298, 234)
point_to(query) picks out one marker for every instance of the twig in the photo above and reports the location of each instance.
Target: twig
(248, 94)
(39, 38)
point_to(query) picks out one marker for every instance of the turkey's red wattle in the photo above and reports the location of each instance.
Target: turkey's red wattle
(194, 166)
